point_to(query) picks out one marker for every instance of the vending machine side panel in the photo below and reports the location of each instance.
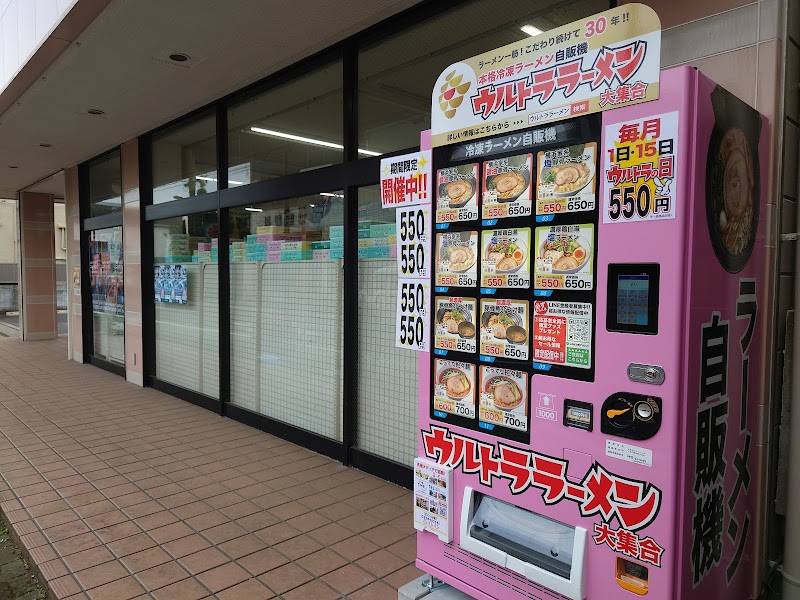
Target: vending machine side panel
(723, 362)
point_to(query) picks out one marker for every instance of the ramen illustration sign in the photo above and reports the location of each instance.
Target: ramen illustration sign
(639, 168)
(606, 61)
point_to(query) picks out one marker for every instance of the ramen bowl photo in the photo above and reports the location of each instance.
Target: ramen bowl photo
(461, 258)
(510, 185)
(508, 256)
(458, 192)
(506, 392)
(568, 179)
(498, 324)
(456, 383)
(567, 256)
(453, 318)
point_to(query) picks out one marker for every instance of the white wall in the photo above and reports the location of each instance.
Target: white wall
(24, 25)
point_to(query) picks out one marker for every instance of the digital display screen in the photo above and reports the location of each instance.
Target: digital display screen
(633, 299)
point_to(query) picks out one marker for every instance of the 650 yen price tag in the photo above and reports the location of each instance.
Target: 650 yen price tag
(411, 330)
(413, 242)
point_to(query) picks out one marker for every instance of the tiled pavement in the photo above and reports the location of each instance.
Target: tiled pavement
(122, 493)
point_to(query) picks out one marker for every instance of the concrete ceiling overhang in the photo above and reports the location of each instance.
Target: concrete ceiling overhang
(114, 56)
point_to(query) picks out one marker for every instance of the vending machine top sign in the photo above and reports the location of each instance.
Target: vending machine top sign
(608, 61)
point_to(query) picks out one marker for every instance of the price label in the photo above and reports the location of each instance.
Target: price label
(413, 242)
(640, 169)
(411, 330)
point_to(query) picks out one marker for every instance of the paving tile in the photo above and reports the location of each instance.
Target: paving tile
(64, 586)
(122, 589)
(118, 532)
(100, 574)
(354, 548)
(384, 535)
(186, 545)
(321, 562)
(331, 533)
(207, 521)
(401, 577)
(348, 579)
(53, 569)
(204, 560)
(156, 520)
(57, 518)
(258, 521)
(131, 545)
(312, 589)
(188, 511)
(188, 589)
(88, 558)
(76, 544)
(297, 547)
(262, 561)
(285, 578)
(107, 519)
(381, 563)
(405, 549)
(251, 589)
(168, 533)
(287, 511)
(275, 534)
(377, 590)
(68, 530)
(223, 577)
(224, 533)
(95, 508)
(242, 546)
(162, 575)
(146, 559)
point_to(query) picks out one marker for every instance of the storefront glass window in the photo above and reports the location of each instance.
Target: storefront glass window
(387, 376)
(186, 277)
(105, 186)
(286, 299)
(185, 161)
(290, 129)
(108, 294)
(396, 75)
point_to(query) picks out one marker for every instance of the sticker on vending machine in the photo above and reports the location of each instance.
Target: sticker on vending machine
(566, 182)
(562, 333)
(504, 398)
(454, 389)
(507, 184)
(564, 257)
(504, 329)
(455, 324)
(456, 194)
(505, 258)
(457, 259)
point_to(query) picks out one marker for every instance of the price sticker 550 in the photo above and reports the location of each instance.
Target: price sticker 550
(412, 225)
(412, 259)
(412, 298)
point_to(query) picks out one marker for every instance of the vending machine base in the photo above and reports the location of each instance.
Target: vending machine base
(420, 588)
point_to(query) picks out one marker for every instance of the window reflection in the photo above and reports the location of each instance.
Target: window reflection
(105, 186)
(185, 162)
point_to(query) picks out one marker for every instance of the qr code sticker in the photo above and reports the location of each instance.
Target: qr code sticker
(578, 330)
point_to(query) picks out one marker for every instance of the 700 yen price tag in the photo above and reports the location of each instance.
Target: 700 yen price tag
(413, 242)
(411, 330)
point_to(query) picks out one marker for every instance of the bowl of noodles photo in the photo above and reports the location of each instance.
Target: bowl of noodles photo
(568, 179)
(733, 180)
(458, 321)
(499, 324)
(461, 258)
(456, 383)
(509, 185)
(505, 391)
(508, 256)
(458, 192)
(566, 255)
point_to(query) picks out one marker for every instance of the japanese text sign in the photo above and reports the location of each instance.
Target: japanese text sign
(609, 60)
(433, 485)
(640, 168)
(406, 180)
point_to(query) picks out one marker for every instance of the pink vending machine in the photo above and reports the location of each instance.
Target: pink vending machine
(589, 405)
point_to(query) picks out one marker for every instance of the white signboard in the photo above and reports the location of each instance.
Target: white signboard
(640, 169)
(433, 503)
(406, 180)
(411, 328)
(414, 242)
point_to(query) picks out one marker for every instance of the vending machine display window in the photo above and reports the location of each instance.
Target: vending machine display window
(633, 298)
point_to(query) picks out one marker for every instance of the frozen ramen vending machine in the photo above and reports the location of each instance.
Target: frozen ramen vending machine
(588, 409)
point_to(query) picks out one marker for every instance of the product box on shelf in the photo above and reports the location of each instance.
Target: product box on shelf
(321, 245)
(287, 255)
(383, 230)
(337, 253)
(290, 246)
(322, 254)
